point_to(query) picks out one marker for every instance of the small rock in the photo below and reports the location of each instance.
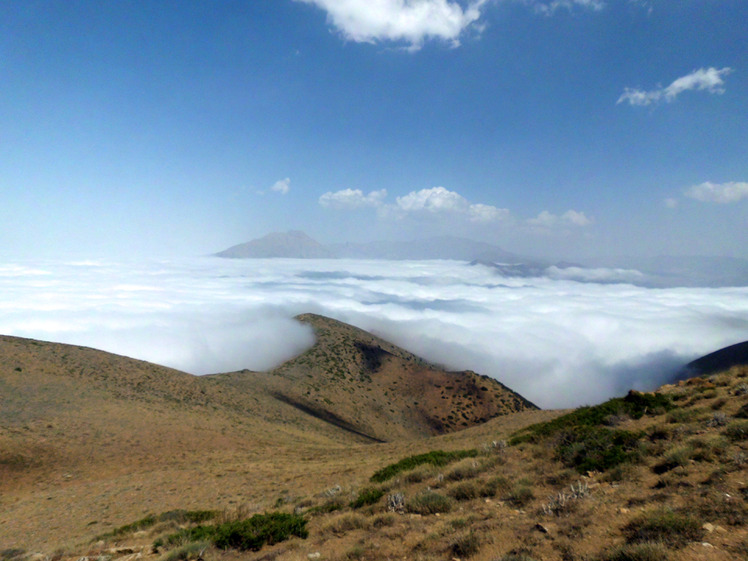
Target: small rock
(706, 544)
(720, 529)
(540, 528)
(315, 555)
(708, 527)
(488, 501)
(623, 510)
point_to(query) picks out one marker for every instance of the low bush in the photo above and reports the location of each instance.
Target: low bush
(428, 502)
(737, 430)
(596, 448)
(635, 405)
(636, 552)
(367, 496)
(466, 545)
(495, 486)
(187, 551)
(436, 458)
(251, 533)
(345, 523)
(678, 457)
(465, 491)
(664, 526)
(520, 495)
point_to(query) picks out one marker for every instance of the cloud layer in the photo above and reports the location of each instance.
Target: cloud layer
(709, 79)
(409, 21)
(558, 342)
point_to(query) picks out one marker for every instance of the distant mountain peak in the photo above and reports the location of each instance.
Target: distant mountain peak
(291, 244)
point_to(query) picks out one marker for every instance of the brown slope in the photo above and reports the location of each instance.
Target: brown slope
(70, 406)
(369, 386)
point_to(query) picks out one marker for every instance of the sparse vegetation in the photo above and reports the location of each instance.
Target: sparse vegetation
(663, 526)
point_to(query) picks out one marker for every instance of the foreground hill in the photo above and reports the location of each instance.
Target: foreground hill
(646, 477)
(372, 388)
(133, 437)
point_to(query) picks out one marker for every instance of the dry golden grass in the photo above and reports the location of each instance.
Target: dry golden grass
(82, 455)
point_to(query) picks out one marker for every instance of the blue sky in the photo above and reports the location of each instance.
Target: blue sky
(564, 128)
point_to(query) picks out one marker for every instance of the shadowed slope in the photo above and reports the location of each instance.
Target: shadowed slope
(718, 361)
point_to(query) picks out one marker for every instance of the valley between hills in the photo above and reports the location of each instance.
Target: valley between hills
(357, 449)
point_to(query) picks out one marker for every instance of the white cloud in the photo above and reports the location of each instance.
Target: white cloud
(441, 201)
(409, 21)
(430, 202)
(549, 8)
(671, 202)
(724, 193)
(570, 218)
(436, 199)
(581, 342)
(352, 198)
(703, 79)
(282, 186)
(487, 213)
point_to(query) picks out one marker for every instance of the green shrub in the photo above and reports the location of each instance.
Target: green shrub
(436, 458)
(635, 405)
(664, 526)
(367, 496)
(428, 502)
(251, 533)
(595, 448)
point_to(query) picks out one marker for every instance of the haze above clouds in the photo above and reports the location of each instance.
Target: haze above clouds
(559, 343)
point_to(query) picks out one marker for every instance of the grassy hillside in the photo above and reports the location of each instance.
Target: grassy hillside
(647, 477)
(104, 438)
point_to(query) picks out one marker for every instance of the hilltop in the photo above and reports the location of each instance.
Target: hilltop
(372, 388)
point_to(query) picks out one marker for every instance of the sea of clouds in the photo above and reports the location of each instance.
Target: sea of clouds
(558, 342)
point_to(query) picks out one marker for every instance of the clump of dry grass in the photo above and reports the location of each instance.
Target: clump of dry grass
(428, 502)
(344, 523)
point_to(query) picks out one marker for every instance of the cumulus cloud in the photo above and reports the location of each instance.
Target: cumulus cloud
(724, 193)
(352, 198)
(438, 200)
(409, 21)
(704, 79)
(282, 186)
(570, 218)
(560, 343)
